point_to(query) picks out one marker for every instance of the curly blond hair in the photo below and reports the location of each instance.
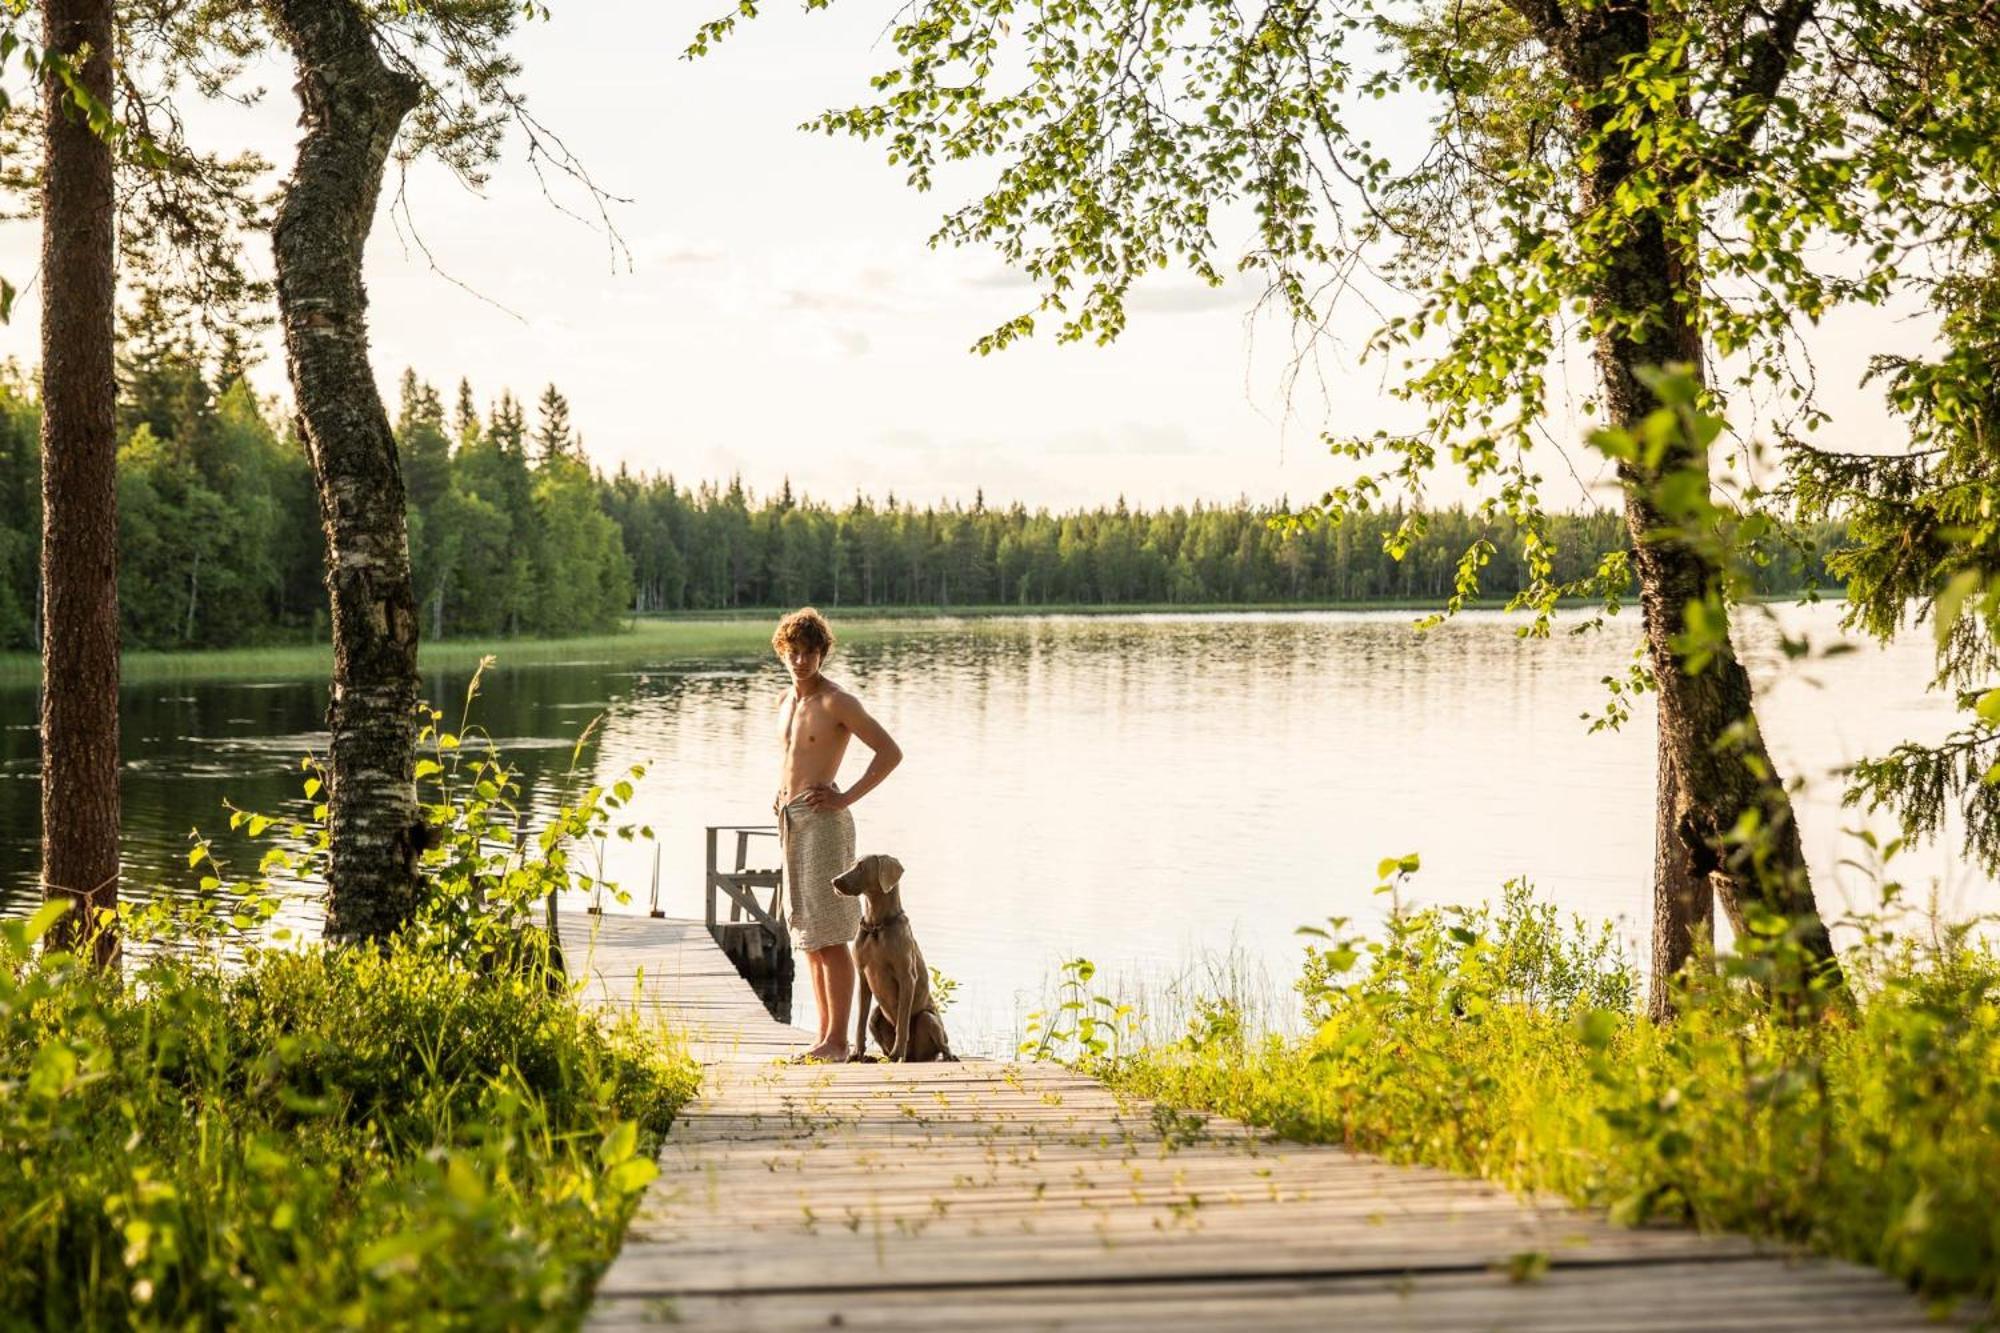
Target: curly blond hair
(806, 629)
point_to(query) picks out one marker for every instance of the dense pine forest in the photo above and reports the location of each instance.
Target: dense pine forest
(512, 531)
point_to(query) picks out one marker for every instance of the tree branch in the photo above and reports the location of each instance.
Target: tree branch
(1770, 58)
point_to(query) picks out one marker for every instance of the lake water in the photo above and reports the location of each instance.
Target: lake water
(1146, 791)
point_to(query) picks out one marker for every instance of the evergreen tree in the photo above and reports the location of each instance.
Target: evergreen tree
(422, 444)
(465, 416)
(221, 541)
(555, 438)
(500, 475)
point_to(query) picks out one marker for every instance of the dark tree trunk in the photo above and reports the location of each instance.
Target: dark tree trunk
(1715, 767)
(79, 491)
(352, 104)
(1683, 902)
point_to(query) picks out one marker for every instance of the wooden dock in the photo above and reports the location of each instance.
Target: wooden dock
(995, 1195)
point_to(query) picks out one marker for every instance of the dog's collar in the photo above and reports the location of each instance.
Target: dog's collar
(883, 924)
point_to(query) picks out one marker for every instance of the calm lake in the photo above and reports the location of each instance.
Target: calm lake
(1147, 791)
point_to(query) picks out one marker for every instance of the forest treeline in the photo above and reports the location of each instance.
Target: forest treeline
(512, 531)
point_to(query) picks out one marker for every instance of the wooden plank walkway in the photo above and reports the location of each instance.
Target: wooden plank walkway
(996, 1195)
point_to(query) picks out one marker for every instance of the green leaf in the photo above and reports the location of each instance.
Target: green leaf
(462, 1182)
(403, 1250)
(1596, 1028)
(1989, 708)
(620, 1143)
(1951, 602)
(46, 916)
(631, 1175)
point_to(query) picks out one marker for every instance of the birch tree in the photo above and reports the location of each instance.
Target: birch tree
(377, 82)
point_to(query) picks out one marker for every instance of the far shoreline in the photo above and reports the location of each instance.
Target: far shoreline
(716, 632)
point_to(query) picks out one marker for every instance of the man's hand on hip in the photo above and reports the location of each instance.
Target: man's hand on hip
(825, 796)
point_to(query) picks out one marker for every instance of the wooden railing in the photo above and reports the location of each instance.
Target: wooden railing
(742, 883)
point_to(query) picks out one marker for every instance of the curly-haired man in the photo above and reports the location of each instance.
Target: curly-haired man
(816, 718)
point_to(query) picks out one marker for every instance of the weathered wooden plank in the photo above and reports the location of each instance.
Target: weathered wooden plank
(1686, 1297)
(1000, 1195)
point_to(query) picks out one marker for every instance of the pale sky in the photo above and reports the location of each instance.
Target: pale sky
(782, 315)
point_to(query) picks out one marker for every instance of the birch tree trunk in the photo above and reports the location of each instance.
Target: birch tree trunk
(352, 105)
(79, 490)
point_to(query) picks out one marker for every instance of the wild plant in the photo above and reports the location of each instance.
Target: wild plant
(944, 990)
(1082, 1027)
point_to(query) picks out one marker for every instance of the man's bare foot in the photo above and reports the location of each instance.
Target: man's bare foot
(827, 1052)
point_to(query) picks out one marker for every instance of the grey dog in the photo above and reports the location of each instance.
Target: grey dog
(906, 1023)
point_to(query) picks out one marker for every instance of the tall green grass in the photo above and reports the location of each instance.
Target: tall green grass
(664, 640)
(317, 1140)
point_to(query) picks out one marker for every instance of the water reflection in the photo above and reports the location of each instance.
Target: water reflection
(1141, 790)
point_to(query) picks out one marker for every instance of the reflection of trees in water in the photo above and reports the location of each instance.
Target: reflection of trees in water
(187, 746)
(190, 745)
(20, 800)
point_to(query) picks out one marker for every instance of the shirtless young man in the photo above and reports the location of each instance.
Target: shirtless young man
(815, 719)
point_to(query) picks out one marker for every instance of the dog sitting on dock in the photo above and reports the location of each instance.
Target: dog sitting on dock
(906, 1023)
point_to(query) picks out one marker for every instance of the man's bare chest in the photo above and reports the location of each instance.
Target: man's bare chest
(809, 724)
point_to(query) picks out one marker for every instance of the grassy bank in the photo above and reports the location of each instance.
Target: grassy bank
(663, 640)
(742, 632)
(315, 1140)
(1506, 1046)
(1003, 610)
(733, 633)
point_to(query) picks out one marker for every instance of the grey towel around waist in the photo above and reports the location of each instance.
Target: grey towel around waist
(818, 845)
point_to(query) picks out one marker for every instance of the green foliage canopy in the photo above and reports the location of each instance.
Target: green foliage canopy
(1434, 167)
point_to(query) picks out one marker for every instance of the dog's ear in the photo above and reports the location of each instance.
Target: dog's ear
(888, 872)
